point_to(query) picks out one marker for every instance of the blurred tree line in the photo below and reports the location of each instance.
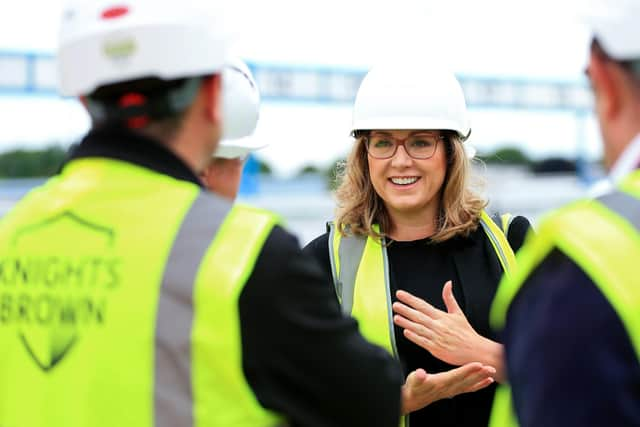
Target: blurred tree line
(506, 156)
(511, 156)
(32, 163)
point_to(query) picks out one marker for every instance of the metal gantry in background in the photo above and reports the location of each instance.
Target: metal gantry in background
(28, 74)
(34, 74)
(336, 85)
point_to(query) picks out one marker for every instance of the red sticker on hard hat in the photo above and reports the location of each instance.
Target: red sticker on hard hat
(115, 12)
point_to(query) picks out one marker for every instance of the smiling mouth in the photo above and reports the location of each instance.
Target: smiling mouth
(404, 180)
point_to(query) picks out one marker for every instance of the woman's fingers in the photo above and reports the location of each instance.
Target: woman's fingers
(418, 304)
(450, 300)
(470, 377)
(410, 313)
(413, 320)
(418, 339)
(486, 382)
(416, 378)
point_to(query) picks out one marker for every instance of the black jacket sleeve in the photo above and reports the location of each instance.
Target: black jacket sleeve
(569, 358)
(318, 248)
(301, 356)
(517, 232)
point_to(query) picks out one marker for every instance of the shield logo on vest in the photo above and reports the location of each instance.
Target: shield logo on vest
(47, 348)
(60, 285)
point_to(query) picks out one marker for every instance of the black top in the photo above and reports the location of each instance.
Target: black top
(569, 357)
(301, 356)
(422, 268)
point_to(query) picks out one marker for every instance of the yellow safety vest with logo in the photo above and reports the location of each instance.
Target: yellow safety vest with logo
(602, 237)
(360, 269)
(119, 291)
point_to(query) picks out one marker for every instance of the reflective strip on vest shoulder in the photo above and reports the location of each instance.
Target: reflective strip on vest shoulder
(334, 237)
(363, 274)
(350, 253)
(499, 242)
(506, 220)
(624, 205)
(173, 398)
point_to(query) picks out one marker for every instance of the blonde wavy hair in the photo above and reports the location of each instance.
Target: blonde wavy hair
(359, 207)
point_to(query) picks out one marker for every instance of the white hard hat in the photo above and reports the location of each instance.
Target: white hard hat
(241, 109)
(237, 148)
(616, 26)
(104, 42)
(410, 95)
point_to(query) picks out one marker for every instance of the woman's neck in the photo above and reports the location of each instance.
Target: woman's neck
(412, 227)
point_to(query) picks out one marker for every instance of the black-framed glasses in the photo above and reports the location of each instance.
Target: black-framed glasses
(418, 146)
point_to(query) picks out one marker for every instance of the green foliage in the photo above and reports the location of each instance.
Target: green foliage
(329, 173)
(309, 170)
(506, 156)
(333, 172)
(263, 168)
(31, 163)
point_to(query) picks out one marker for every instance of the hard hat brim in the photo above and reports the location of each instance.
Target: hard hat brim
(410, 123)
(233, 149)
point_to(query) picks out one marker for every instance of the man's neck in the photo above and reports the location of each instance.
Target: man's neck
(627, 160)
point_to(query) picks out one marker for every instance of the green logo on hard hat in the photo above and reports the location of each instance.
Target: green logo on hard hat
(117, 49)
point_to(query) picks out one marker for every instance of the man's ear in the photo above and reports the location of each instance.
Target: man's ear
(213, 97)
(607, 82)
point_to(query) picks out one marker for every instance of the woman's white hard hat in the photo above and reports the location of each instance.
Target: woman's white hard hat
(414, 94)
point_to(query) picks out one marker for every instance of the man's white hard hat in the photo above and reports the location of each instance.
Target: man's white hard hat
(104, 42)
(616, 26)
(241, 109)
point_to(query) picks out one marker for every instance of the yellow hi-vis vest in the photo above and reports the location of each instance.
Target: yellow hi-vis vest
(119, 291)
(360, 269)
(602, 237)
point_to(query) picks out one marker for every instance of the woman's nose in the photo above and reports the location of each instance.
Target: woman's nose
(401, 157)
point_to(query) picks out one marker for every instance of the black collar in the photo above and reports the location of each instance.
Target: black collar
(122, 144)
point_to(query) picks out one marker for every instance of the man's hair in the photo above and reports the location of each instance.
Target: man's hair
(631, 66)
(360, 207)
(157, 106)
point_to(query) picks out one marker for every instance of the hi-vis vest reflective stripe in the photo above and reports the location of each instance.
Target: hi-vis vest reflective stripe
(360, 269)
(602, 237)
(119, 306)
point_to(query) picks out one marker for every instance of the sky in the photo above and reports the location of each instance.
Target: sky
(527, 39)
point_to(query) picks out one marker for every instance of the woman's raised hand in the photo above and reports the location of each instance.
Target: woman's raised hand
(447, 335)
(421, 388)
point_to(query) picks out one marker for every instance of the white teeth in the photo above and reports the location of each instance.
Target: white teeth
(404, 181)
